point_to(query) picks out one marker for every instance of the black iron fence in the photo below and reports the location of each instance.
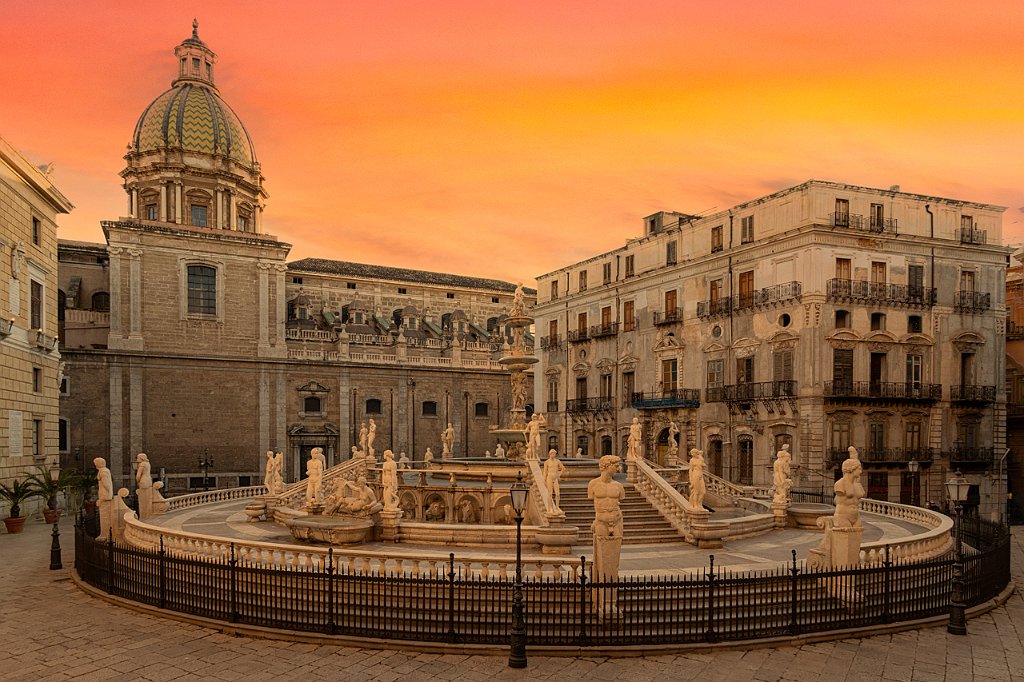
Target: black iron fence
(709, 605)
(910, 295)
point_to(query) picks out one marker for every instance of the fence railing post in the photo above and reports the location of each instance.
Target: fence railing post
(331, 626)
(794, 572)
(110, 561)
(710, 634)
(887, 574)
(452, 636)
(162, 554)
(583, 638)
(233, 568)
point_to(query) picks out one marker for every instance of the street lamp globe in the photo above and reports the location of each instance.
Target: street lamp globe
(518, 492)
(957, 488)
(913, 466)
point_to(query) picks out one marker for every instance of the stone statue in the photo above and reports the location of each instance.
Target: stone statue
(17, 258)
(144, 485)
(518, 308)
(447, 441)
(499, 451)
(673, 437)
(520, 390)
(408, 507)
(268, 472)
(105, 497)
(362, 437)
(579, 453)
(314, 478)
(278, 475)
(606, 493)
(435, 511)
(371, 435)
(534, 429)
(697, 487)
(634, 444)
(428, 458)
(355, 453)
(352, 499)
(780, 476)
(553, 469)
(389, 481)
(849, 492)
(404, 462)
(466, 511)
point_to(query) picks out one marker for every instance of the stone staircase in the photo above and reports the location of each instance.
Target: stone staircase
(642, 524)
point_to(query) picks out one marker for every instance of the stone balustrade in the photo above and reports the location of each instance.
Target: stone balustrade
(211, 496)
(663, 496)
(937, 541)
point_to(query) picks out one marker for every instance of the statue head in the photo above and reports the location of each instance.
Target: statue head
(270, 453)
(99, 463)
(388, 455)
(609, 462)
(850, 466)
(141, 457)
(694, 452)
(552, 454)
(317, 452)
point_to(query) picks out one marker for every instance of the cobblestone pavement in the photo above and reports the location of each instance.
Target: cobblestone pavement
(50, 630)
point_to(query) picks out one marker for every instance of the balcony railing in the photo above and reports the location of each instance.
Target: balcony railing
(674, 397)
(599, 330)
(630, 325)
(578, 335)
(601, 404)
(836, 456)
(854, 221)
(861, 291)
(972, 394)
(670, 316)
(971, 456)
(779, 293)
(1014, 331)
(883, 391)
(970, 235)
(552, 406)
(551, 342)
(759, 390)
(972, 301)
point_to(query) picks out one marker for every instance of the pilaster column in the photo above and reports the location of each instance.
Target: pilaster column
(263, 287)
(129, 194)
(134, 204)
(115, 294)
(229, 206)
(135, 296)
(177, 203)
(280, 309)
(163, 202)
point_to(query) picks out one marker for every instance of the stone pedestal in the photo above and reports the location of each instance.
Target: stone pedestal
(780, 510)
(389, 524)
(106, 508)
(705, 533)
(631, 470)
(145, 496)
(556, 537)
(846, 554)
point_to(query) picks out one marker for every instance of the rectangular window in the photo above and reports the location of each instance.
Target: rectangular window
(36, 305)
(630, 266)
(37, 437)
(482, 410)
(583, 280)
(151, 212)
(581, 388)
(195, 65)
(581, 322)
(670, 303)
(714, 376)
(844, 268)
(966, 222)
(670, 252)
(747, 227)
(716, 239)
(495, 299)
(199, 216)
(915, 281)
(716, 291)
(553, 392)
(37, 230)
(63, 435)
(967, 369)
(967, 281)
(202, 290)
(842, 213)
(352, 285)
(606, 386)
(553, 330)
(914, 365)
(877, 272)
(554, 289)
(628, 388)
(782, 365)
(403, 290)
(746, 289)
(842, 368)
(606, 272)
(876, 436)
(628, 323)
(447, 295)
(877, 372)
(37, 380)
(669, 374)
(744, 370)
(912, 436)
(606, 317)
(840, 437)
(878, 485)
(877, 217)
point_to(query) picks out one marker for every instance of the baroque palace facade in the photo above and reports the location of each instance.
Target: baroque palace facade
(825, 315)
(189, 336)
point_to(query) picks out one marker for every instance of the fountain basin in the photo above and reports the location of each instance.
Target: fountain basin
(805, 514)
(331, 530)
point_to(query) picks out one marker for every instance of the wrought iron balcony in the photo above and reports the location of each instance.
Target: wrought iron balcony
(780, 293)
(972, 301)
(630, 325)
(1014, 331)
(883, 456)
(970, 235)
(578, 405)
(675, 397)
(882, 391)
(855, 221)
(860, 291)
(578, 335)
(972, 394)
(713, 308)
(670, 316)
(552, 406)
(971, 457)
(599, 330)
(748, 392)
(552, 342)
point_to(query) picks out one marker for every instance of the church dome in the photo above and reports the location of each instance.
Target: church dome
(192, 117)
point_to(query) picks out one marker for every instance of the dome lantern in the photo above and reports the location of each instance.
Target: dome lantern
(195, 60)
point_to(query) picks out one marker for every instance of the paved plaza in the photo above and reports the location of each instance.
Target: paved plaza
(51, 630)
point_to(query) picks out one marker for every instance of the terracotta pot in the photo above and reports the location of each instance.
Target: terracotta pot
(15, 524)
(51, 516)
(90, 506)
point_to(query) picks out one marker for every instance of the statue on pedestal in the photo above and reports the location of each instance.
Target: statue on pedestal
(428, 458)
(314, 477)
(268, 472)
(607, 493)
(104, 497)
(144, 485)
(781, 476)
(352, 499)
(362, 437)
(371, 435)
(447, 441)
(634, 443)
(673, 438)
(553, 469)
(499, 451)
(404, 462)
(697, 486)
(533, 433)
(389, 481)
(849, 493)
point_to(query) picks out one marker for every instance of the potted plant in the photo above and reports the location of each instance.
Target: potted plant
(84, 485)
(49, 487)
(16, 493)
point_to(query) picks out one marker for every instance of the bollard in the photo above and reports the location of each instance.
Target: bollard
(55, 563)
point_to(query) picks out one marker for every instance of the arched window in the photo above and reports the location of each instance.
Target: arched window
(374, 406)
(745, 465)
(606, 445)
(312, 404)
(202, 290)
(482, 409)
(582, 444)
(101, 301)
(429, 408)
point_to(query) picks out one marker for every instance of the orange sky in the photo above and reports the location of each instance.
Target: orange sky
(507, 139)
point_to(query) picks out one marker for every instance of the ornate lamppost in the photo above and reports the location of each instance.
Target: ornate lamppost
(913, 466)
(206, 463)
(517, 650)
(957, 489)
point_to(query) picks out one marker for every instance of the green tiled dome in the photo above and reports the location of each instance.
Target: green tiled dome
(194, 118)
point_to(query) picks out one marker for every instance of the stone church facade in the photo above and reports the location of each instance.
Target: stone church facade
(189, 335)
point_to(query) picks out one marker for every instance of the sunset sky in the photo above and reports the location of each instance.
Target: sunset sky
(507, 139)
